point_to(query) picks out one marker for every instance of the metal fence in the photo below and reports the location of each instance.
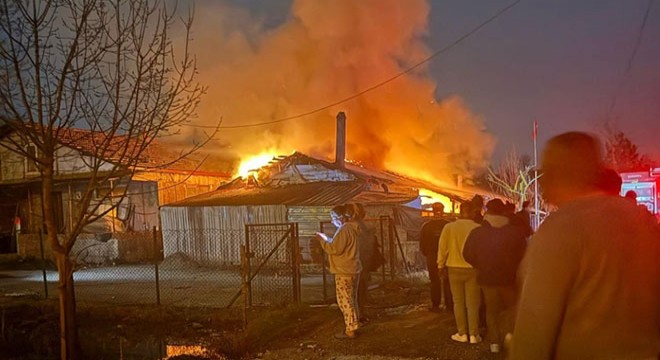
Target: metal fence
(389, 244)
(111, 270)
(130, 268)
(272, 263)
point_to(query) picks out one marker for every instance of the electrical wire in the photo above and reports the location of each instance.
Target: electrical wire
(376, 86)
(631, 60)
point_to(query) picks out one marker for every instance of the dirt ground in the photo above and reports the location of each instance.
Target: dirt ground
(400, 327)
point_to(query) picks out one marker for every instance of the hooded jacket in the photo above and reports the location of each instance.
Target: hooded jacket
(495, 249)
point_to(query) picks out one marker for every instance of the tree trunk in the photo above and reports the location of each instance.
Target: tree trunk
(69, 346)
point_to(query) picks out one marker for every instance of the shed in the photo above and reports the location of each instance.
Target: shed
(297, 188)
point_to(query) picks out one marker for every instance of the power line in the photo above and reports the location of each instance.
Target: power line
(631, 60)
(378, 85)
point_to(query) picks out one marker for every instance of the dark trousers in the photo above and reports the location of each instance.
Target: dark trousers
(363, 293)
(500, 301)
(437, 284)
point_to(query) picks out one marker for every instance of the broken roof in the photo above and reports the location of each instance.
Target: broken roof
(299, 179)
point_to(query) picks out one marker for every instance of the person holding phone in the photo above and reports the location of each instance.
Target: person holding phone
(344, 259)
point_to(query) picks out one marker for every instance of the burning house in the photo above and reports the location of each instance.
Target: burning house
(209, 228)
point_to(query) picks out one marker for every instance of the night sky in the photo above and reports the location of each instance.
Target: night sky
(561, 62)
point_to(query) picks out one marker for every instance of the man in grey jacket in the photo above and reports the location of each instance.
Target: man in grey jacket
(591, 275)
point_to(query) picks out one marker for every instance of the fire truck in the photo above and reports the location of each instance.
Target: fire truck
(645, 185)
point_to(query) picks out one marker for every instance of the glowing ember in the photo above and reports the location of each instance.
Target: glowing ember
(429, 197)
(255, 162)
(178, 350)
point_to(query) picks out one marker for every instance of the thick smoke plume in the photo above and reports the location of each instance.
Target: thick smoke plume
(326, 51)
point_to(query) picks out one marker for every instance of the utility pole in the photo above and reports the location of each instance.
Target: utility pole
(537, 216)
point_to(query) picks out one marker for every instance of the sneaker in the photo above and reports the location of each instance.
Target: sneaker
(507, 341)
(460, 338)
(475, 339)
(494, 348)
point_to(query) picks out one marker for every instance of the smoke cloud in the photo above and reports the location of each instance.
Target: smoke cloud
(326, 51)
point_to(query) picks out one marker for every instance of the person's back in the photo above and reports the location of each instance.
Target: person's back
(496, 253)
(521, 219)
(603, 298)
(428, 246)
(452, 240)
(430, 237)
(367, 243)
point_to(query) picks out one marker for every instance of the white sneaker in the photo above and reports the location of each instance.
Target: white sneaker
(507, 341)
(475, 339)
(460, 338)
(494, 348)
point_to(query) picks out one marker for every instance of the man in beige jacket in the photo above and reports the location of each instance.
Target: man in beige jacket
(591, 275)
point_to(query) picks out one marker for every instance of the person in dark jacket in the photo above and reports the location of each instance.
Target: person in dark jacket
(477, 204)
(369, 250)
(522, 219)
(495, 249)
(610, 182)
(428, 246)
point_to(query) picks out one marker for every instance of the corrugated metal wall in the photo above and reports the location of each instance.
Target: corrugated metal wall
(308, 219)
(213, 235)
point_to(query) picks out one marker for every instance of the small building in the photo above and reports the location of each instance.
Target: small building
(154, 181)
(210, 228)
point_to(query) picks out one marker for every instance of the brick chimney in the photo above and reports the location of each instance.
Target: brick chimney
(340, 154)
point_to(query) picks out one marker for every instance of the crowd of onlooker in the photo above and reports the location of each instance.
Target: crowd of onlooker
(473, 262)
(584, 285)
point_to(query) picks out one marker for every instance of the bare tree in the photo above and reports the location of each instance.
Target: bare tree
(105, 66)
(513, 178)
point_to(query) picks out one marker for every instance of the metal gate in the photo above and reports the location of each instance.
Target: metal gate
(388, 242)
(271, 264)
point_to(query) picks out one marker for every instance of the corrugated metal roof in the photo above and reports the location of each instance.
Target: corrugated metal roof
(367, 186)
(316, 193)
(369, 175)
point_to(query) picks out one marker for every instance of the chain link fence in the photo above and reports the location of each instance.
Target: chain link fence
(130, 268)
(202, 268)
(272, 252)
(389, 244)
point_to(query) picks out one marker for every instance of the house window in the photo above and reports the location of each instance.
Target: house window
(30, 163)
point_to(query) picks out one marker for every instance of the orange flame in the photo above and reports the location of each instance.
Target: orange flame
(252, 163)
(429, 197)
